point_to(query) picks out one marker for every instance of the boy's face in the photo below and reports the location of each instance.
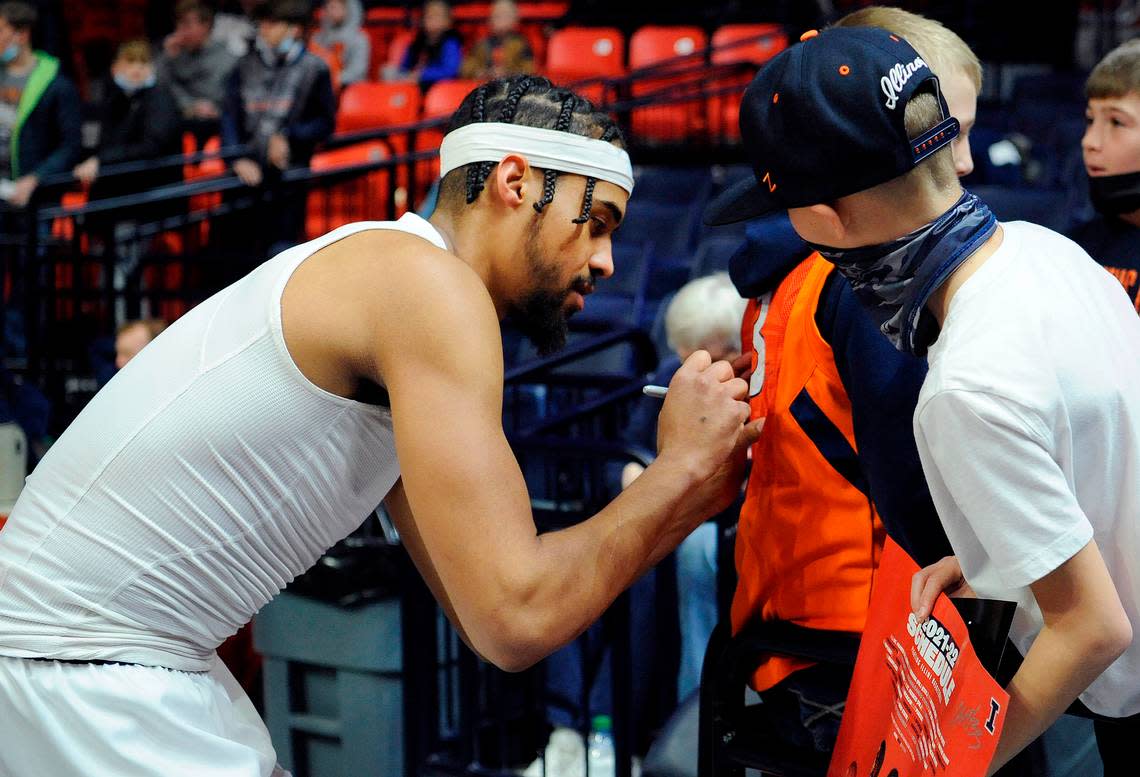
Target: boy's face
(192, 31)
(10, 35)
(1111, 144)
(962, 100)
(504, 17)
(273, 32)
(133, 70)
(437, 19)
(336, 12)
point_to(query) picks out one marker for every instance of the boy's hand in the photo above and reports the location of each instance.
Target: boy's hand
(927, 584)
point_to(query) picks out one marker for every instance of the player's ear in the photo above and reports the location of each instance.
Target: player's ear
(510, 180)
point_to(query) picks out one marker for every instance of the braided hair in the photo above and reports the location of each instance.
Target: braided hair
(530, 101)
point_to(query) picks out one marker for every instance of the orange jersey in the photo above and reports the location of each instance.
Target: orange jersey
(809, 538)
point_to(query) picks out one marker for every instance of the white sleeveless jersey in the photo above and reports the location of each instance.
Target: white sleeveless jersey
(201, 480)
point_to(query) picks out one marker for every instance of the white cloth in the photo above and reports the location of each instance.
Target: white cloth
(1028, 426)
(85, 720)
(203, 478)
(543, 148)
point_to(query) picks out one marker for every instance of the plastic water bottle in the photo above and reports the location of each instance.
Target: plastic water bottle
(600, 753)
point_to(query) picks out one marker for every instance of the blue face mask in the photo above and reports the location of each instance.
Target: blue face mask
(130, 87)
(9, 54)
(286, 44)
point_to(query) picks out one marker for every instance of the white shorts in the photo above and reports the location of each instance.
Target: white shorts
(110, 720)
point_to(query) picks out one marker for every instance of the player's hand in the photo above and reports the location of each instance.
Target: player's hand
(943, 576)
(702, 424)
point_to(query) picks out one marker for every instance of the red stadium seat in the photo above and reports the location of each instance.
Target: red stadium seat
(398, 46)
(369, 105)
(666, 49)
(440, 101)
(749, 43)
(445, 96)
(536, 37)
(190, 171)
(576, 53)
(543, 12)
(755, 43)
(332, 58)
(471, 21)
(360, 199)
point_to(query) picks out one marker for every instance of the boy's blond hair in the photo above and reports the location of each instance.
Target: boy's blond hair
(1117, 74)
(938, 45)
(944, 52)
(134, 51)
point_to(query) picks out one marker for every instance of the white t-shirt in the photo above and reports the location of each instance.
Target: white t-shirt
(1028, 426)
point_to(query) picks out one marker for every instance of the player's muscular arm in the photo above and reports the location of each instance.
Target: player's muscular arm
(518, 596)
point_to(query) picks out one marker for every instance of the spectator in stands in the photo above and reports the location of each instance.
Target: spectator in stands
(341, 34)
(814, 347)
(437, 51)
(133, 336)
(138, 120)
(505, 51)
(1111, 148)
(280, 105)
(39, 136)
(234, 25)
(195, 66)
(39, 109)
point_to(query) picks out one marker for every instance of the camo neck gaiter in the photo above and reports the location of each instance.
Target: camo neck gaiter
(894, 280)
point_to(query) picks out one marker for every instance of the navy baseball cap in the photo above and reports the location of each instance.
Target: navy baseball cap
(824, 119)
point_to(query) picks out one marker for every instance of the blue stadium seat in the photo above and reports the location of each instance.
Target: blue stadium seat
(713, 253)
(672, 185)
(671, 227)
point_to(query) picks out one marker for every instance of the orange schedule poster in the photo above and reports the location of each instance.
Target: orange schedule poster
(920, 701)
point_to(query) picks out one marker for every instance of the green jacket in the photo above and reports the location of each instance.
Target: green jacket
(46, 136)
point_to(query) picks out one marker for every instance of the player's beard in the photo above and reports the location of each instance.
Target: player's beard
(541, 314)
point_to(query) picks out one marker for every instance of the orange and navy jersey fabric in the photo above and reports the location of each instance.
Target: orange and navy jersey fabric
(1129, 278)
(809, 538)
(1115, 244)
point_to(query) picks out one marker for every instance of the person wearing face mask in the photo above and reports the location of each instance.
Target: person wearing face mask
(39, 109)
(280, 105)
(1028, 421)
(138, 120)
(1111, 150)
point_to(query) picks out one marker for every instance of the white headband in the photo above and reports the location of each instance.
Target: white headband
(566, 152)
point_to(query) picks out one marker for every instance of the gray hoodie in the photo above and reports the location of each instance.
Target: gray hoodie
(197, 75)
(356, 47)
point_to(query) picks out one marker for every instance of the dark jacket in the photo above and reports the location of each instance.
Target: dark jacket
(290, 94)
(881, 382)
(144, 125)
(440, 60)
(46, 138)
